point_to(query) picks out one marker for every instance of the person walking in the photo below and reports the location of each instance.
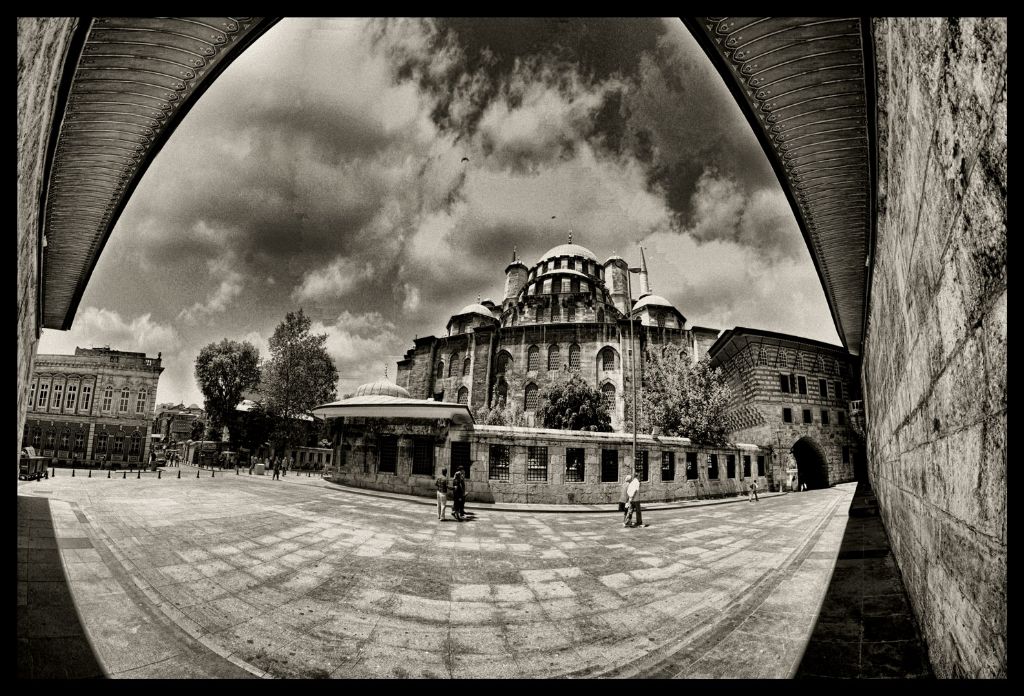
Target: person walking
(442, 494)
(459, 495)
(624, 498)
(633, 504)
(277, 469)
(752, 496)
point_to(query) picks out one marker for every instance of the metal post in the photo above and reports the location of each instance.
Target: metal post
(90, 473)
(632, 360)
(108, 473)
(158, 472)
(197, 473)
(179, 473)
(72, 473)
(124, 474)
(139, 474)
(212, 472)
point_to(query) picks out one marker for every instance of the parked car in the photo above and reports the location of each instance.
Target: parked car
(32, 466)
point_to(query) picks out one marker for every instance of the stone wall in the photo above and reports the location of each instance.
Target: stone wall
(42, 46)
(934, 358)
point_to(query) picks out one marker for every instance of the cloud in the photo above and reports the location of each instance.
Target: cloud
(95, 327)
(217, 302)
(333, 281)
(362, 346)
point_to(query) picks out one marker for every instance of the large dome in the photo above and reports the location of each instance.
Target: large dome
(382, 388)
(569, 250)
(475, 309)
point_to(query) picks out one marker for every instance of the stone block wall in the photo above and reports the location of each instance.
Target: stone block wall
(934, 357)
(42, 45)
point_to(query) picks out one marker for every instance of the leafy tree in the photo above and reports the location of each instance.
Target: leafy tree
(681, 398)
(569, 403)
(298, 376)
(198, 428)
(224, 371)
(507, 410)
(254, 427)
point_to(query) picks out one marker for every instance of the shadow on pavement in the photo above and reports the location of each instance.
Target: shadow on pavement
(865, 628)
(52, 643)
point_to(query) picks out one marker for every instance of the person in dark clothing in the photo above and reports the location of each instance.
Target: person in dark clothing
(459, 495)
(277, 468)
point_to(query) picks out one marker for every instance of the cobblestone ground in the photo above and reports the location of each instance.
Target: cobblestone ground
(301, 578)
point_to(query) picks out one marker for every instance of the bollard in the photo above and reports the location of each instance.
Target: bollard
(158, 472)
(90, 473)
(124, 475)
(108, 473)
(72, 473)
(236, 471)
(139, 475)
(197, 473)
(212, 473)
(179, 473)
(53, 471)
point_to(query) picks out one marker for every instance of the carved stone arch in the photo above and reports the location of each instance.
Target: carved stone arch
(608, 359)
(504, 362)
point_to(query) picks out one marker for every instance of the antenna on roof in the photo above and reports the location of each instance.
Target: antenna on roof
(570, 235)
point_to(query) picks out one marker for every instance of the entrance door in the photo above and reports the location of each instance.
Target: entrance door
(812, 465)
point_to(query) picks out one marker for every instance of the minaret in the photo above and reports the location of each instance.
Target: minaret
(515, 279)
(645, 285)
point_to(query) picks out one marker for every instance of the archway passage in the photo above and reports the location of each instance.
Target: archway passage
(811, 464)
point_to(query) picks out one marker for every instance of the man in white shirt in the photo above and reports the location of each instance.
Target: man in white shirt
(633, 492)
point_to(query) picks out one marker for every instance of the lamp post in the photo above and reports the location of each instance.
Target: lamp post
(632, 359)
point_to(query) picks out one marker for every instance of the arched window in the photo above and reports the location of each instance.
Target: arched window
(821, 364)
(122, 406)
(79, 441)
(608, 392)
(118, 443)
(531, 397)
(502, 393)
(504, 362)
(608, 359)
(37, 437)
(463, 396)
(465, 367)
(439, 371)
(574, 357)
(762, 356)
(133, 443)
(553, 357)
(533, 359)
(64, 436)
(108, 397)
(51, 434)
(140, 406)
(58, 390)
(453, 364)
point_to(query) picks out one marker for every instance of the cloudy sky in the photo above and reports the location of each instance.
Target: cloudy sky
(324, 170)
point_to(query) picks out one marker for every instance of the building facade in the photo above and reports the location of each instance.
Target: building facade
(94, 403)
(173, 422)
(567, 312)
(793, 394)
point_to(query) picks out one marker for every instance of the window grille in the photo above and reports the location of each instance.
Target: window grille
(531, 397)
(762, 356)
(574, 358)
(712, 466)
(787, 415)
(533, 359)
(498, 464)
(504, 360)
(607, 359)
(122, 406)
(423, 456)
(609, 465)
(547, 287)
(608, 391)
(133, 444)
(536, 463)
(760, 465)
(453, 365)
(746, 466)
(661, 321)
(554, 311)
(460, 458)
(58, 390)
(668, 466)
(554, 356)
(140, 406)
(387, 451)
(574, 465)
(72, 397)
(730, 466)
(691, 466)
(463, 397)
(640, 465)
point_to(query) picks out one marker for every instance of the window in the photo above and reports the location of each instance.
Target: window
(32, 396)
(784, 383)
(465, 367)
(821, 364)
(640, 465)
(558, 263)
(574, 358)
(460, 457)
(423, 456)
(668, 466)
(118, 444)
(554, 357)
(64, 435)
(504, 361)
(101, 444)
(554, 311)
(463, 395)
(574, 465)
(50, 435)
(787, 415)
(72, 397)
(108, 395)
(566, 285)
(846, 454)
(140, 406)
(762, 356)
(387, 454)
(453, 365)
(79, 441)
(746, 466)
(502, 393)
(607, 359)
(661, 321)
(807, 416)
(609, 465)
(37, 436)
(570, 313)
(608, 392)
(730, 466)
(823, 388)
(691, 466)
(439, 396)
(712, 466)
(44, 393)
(530, 401)
(824, 416)
(547, 287)
(600, 316)
(122, 405)
(760, 465)
(439, 370)
(571, 263)
(58, 390)
(536, 463)
(533, 359)
(574, 285)
(839, 390)
(498, 465)
(801, 382)
(133, 444)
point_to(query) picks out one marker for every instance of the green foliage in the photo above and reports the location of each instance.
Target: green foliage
(681, 398)
(224, 371)
(298, 376)
(569, 403)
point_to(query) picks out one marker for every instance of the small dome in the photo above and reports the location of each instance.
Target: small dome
(381, 387)
(656, 300)
(569, 250)
(475, 309)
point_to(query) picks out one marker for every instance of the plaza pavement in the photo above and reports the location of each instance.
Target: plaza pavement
(238, 575)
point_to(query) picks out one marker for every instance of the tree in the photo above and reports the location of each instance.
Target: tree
(569, 403)
(298, 376)
(254, 427)
(224, 371)
(198, 428)
(507, 409)
(681, 398)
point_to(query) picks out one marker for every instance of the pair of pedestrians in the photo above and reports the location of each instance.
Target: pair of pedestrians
(629, 502)
(458, 494)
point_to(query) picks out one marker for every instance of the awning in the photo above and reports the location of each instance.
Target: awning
(380, 406)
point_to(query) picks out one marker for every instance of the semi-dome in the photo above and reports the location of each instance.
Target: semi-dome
(656, 300)
(381, 387)
(475, 308)
(568, 250)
